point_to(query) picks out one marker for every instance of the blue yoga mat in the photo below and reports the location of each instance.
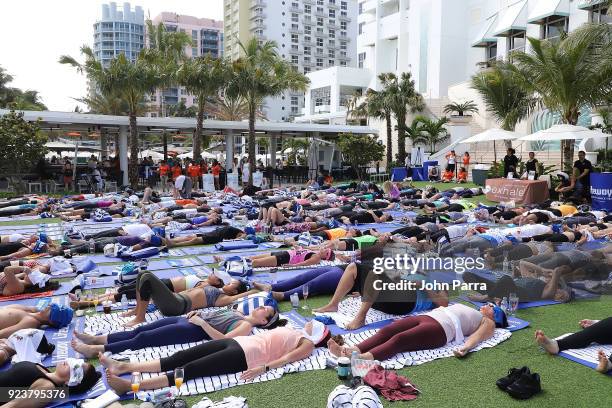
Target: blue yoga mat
(580, 361)
(522, 305)
(233, 245)
(516, 324)
(100, 388)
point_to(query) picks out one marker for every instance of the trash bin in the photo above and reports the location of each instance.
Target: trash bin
(479, 176)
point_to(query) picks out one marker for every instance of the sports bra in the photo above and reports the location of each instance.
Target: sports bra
(191, 281)
(297, 256)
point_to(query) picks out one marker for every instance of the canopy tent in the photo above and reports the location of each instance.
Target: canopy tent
(67, 147)
(492, 135)
(189, 155)
(564, 132)
(154, 155)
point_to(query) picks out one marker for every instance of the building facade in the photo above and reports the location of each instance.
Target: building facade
(119, 31)
(207, 36)
(310, 34)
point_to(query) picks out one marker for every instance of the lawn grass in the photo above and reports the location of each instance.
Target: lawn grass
(458, 383)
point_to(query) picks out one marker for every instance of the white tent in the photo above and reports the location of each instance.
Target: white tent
(189, 155)
(490, 135)
(564, 132)
(155, 155)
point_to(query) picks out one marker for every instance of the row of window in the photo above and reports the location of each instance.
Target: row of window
(137, 28)
(320, 21)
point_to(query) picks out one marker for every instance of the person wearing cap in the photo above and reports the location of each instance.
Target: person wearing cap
(456, 323)
(566, 186)
(195, 327)
(73, 373)
(250, 355)
(17, 317)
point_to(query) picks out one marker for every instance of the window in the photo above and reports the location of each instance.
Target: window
(343, 24)
(343, 14)
(332, 1)
(320, 21)
(319, 42)
(320, 2)
(553, 27)
(343, 63)
(331, 53)
(362, 56)
(319, 30)
(331, 43)
(332, 33)
(307, 38)
(516, 42)
(306, 70)
(491, 52)
(307, 8)
(599, 14)
(295, 100)
(343, 45)
(294, 38)
(295, 59)
(307, 60)
(320, 10)
(307, 50)
(307, 30)
(344, 5)
(343, 54)
(295, 18)
(319, 62)
(331, 63)
(194, 51)
(295, 27)
(319, 51)
(361, 25)
(332, 13)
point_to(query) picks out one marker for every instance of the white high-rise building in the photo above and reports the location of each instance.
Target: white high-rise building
(119, 31)
(311, 34)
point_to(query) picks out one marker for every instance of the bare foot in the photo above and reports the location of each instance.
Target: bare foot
(120, 385)
(327, 308)
(134, 322)
(550, 346)
(478, 297)
(87, 350)
(75, 304)
(264, 287)
(604, 363)
(218, 258)
(129, 313)
(584, 323)
(278, 296)
(87, 338)
(459, 353)
(356, 323)
(112, 366)
(334, 348)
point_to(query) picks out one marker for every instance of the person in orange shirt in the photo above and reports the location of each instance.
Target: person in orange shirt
(448, 175)
(164, 170)
(466, 160)
(216, 171)
(462, 176)
(203, 167)
(193, 171)
(176, 170)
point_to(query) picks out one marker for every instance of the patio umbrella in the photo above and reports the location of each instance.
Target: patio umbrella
(492, 135)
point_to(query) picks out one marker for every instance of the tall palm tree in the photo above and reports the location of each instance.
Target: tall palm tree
(203, 77)
(131, 80)
(261, 73)
(415, 131)
(377, 105)
(504, 96)
(434, 131)
(402, 98)
(230, 108)
(569, 74)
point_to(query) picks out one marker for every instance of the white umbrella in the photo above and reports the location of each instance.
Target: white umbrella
(492, 135)
(564, 132)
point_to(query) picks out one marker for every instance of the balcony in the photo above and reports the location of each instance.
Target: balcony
(258, 3)
(343, 57)
(320, 13)
(295, 51)
(333, 26)
(390, 26)
(308, 21)
(293, 9)
(293, 30)
(258, 24)
(333, 6)
(369, 6)
(258, 14)
(322, 109)
(308, 1)
(343, 18)
(320, 34)
(344, 37)
(320, 54)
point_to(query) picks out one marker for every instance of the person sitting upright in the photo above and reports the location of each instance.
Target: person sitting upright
(448, 175)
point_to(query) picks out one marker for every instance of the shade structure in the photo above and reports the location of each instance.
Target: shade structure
(155, 155)
(564, 132)
(189, 155)
(490, 135)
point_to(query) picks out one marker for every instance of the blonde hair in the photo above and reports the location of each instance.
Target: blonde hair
(387, 185)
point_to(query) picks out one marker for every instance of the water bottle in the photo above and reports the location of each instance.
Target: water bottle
(124, 302)
(477, 253)
(506, 263)
(354, 369)
(92, 246)
(504, 304)
(144, 264)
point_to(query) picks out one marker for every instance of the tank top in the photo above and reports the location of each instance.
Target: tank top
(262, 348)
(469, 318)
(191, 281)
(23, 374)
(223, 320)
(335, 233)
(365, 241)
(298, 255)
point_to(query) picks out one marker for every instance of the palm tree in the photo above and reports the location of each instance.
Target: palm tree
(415, 131)
(230, 108)
(504, 96)
(203, 77)
(261, 73)
(296, 145)
(401, 96)
(434, 131)
(461, 108)
(569, 74)
(181, 110)
(377, 105)
(132, 81)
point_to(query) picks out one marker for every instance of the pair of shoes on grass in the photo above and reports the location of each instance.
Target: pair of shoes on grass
(520, 383)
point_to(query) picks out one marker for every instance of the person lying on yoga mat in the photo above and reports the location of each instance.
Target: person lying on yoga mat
(17, 237)
(361, 278)
(320, 281)
(565, 261)
(366, 217)
(151, 288)
(431, 330)
(534, 217)
(73, 373)
(593, 331)
(483, 240)
(190, 223)
(206, 238)
(17, 250)
(496, 256)
(80, 246)
(250, 355)
(598, 231)
(115, 210)
(355, 243)
(564, 235)
(454, 205)
(17, 317)
(292, 257)
(15, 280)
(195, 327)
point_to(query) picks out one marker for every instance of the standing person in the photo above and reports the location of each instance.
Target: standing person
(216, 171)
(176, 169)
(466, 161)
(582, 173)
(203, 170)
(246, 171)
(194, 173)
(178, 186)
(68, 171)
(164, 170)
(406, 165)
(510, 162)
(451, 161)
(531, 166)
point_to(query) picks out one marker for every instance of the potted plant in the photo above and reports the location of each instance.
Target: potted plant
(462, 111)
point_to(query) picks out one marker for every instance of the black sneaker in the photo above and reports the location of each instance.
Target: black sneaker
(525, 387)
(513, 375)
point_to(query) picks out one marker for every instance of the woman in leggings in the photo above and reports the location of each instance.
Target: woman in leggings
(252, 355)
(292, 257)
(151, 288)
(495, 256)
(195, 327)
(429, 331)
(594, 331)
(207, 238)
(320, 281)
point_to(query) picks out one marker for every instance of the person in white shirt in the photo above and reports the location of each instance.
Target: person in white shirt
(178, 186)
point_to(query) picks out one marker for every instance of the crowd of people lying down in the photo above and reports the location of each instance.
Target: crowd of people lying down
(331, 235)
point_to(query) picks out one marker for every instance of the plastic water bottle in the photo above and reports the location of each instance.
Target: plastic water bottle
(354, 369)
(124, 302)
(92, 246)
(504, 304)
(506, 263)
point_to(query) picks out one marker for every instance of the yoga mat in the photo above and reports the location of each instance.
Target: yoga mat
(586, 356)
(522, 305)
(298, 320)
(28, 296)
(514, 323)
(100, 388)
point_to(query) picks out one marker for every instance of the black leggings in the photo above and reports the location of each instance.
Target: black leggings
(169, 303)
(505, 285)
(113, 233)
(600, 332)
(216, 357)
(515, 252)
(129, 290)
(548, 237)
